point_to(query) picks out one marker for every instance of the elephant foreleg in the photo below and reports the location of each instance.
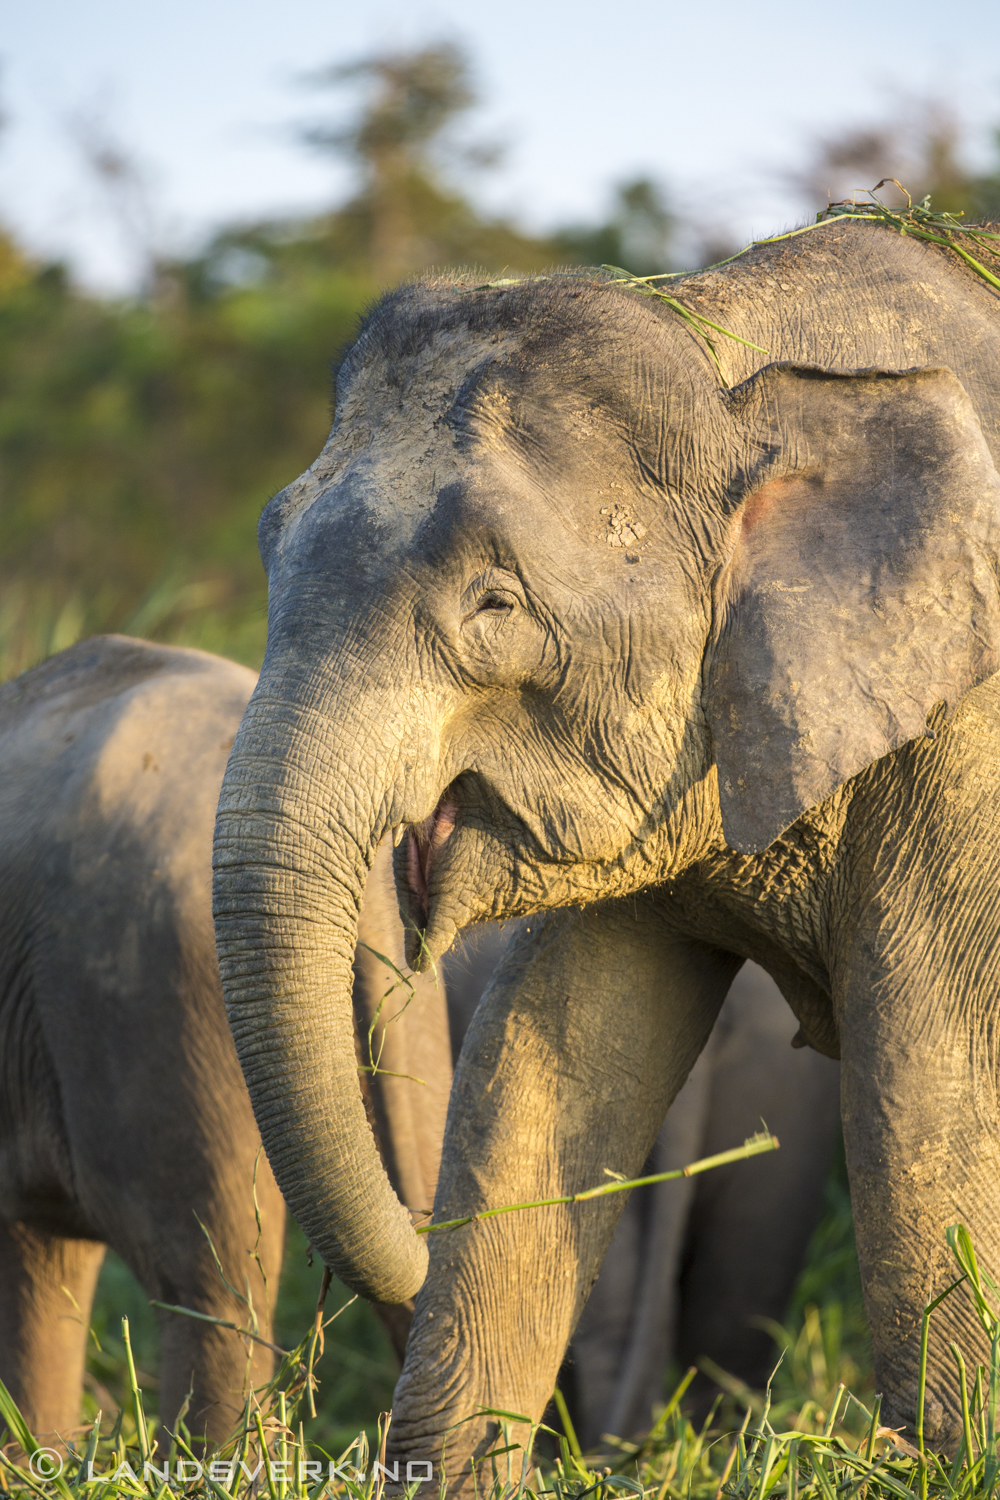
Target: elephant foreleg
(46, 1289)
(919, 1106)
(591, 1026)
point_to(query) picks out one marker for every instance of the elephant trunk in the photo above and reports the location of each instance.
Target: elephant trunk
(300, 817)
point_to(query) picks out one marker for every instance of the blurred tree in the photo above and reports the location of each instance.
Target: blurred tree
(984, 194)
(139, 438)
(412, 97)
(921, 143)
(125, 188)
(15, 268)
(404, 217)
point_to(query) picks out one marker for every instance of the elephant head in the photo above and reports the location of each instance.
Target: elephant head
(562, 616)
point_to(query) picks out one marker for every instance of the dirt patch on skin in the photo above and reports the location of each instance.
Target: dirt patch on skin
(623, 529)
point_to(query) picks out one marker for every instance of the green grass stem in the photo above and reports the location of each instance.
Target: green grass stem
(917, 221)
(696, 321)
(137, 1409)
(567, 1423)
(991, 1465)
(873, 1430)
(262, 1440)
(244, 1333)
(963, 1386)
(755, 1146)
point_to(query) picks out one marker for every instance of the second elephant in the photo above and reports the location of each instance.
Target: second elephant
(124, 1119)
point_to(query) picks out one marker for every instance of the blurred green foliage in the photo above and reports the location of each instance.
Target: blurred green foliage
(139, 441)
(141, 437)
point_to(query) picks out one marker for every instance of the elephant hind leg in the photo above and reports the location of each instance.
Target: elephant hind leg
(751, 1222)
(46, 1290)
(207, 1370)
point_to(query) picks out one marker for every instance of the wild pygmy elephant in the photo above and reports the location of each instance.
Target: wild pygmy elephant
(685, 644)
(123, 1113)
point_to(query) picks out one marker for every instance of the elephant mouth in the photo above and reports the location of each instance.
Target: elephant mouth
(424, 843)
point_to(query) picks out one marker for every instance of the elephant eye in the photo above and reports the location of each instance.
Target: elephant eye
(501, 641)
(495, 601)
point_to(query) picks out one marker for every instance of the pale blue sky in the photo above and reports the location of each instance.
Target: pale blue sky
(708, 96)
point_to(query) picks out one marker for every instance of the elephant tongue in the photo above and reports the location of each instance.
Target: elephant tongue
(425, 840)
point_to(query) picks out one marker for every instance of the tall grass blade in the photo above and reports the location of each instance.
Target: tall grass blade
(963, 1386)
(137, 1407)
(567, 1423)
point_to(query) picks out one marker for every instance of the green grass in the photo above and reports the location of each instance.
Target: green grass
(811, 1439)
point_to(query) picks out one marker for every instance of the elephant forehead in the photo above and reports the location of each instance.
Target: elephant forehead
(459, 420)
(395, 511)
(379, 498)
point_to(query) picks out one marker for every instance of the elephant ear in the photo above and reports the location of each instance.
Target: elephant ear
(862, 588)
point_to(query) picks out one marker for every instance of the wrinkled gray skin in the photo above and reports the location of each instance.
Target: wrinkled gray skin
(694, 1266)
(601, 639)
(123, 1112)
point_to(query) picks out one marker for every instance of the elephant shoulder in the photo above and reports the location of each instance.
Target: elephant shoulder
(158, 757)
(102, 667)
(117, 732)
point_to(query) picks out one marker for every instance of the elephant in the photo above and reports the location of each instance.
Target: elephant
(123, 1113)
(124, 1118)
(670, 623)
